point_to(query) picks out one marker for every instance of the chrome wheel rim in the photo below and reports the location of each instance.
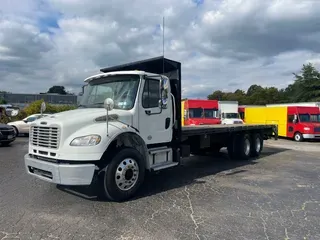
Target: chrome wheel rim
(127, 173)
(246, 147)
(297, 137)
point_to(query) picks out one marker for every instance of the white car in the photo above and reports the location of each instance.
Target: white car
(23, 126)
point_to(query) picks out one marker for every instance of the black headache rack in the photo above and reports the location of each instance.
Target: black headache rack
(164, 66)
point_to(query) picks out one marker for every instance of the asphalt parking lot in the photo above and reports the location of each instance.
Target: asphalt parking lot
(274, 197)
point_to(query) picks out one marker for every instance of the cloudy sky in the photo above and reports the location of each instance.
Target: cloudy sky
(222, 44)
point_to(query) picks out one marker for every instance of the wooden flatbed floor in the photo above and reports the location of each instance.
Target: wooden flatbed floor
(221, 128)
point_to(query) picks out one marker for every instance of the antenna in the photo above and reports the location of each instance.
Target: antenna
(163, 44)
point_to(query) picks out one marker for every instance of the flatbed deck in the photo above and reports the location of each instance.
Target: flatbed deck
(221, 128)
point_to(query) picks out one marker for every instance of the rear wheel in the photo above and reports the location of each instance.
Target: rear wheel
(298, 137)
(239, 147)
(244, 147)
(123, 176)
(256, 145)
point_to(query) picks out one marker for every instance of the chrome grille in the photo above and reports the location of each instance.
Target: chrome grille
(47, 137)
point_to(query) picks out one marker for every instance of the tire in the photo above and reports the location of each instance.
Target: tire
(123, 176)
(256, 145)
(244, 147)
(298, 137)
(16, 131)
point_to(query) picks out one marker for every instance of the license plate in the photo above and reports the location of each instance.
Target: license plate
(10, 136)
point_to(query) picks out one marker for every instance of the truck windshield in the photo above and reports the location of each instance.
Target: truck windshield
(122, 89)
(210, 113)
(232, 115)
(195, 112)
(203, 113)
(309, 117)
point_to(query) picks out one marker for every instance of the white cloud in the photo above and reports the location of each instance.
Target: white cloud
(222, 44)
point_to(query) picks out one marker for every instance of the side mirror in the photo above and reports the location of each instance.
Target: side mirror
(164, 90)
(43, 107)
(108, 104)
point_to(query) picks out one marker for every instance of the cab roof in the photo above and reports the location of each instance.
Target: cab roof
(101, 75)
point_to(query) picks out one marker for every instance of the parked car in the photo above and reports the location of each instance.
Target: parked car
(23, 126)
(7, 132)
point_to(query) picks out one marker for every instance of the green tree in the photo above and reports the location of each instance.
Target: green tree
(217, 95)
(306, 86)
(253, 89)
(57, 89)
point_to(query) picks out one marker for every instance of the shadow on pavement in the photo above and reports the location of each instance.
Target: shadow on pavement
(189, 172)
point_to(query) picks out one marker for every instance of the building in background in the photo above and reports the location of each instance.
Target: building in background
(22, 99)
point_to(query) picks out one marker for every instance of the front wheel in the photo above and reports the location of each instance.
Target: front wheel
(298, 137)
(123, 176)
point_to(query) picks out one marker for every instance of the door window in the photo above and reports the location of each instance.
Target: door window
(290, 118)
(151, 93)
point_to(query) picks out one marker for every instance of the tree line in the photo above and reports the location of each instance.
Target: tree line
(305, 88)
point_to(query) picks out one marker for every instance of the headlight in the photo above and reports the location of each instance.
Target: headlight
(306, 128)
(89, 140)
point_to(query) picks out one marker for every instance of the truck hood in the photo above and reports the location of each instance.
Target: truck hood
(74, 120)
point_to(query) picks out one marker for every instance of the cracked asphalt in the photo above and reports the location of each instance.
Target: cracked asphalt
(274, 197)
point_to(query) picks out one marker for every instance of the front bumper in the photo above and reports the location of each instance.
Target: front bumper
(64, 174)
(311, 136)
(7, 138)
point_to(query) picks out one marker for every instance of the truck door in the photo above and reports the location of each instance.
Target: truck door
(155, 123)
(291, 122)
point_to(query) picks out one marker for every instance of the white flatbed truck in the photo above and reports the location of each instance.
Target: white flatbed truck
(129, 122)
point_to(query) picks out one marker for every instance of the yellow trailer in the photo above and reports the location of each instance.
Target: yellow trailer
(268, 115)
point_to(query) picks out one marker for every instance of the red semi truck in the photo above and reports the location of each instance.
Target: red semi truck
(199, 112)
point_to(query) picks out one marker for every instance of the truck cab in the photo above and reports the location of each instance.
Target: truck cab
(303, 123)
(127, 122)
(199, 112)
(229, 113)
